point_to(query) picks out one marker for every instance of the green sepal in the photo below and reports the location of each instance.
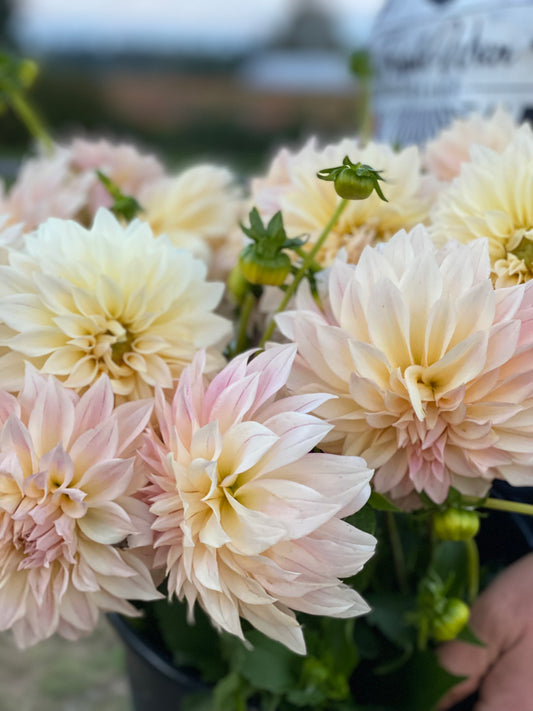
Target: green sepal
(124, 206)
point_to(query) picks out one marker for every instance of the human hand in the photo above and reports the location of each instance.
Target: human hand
(502, 617)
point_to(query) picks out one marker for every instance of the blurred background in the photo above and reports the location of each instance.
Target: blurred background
(225, 80)
(203, 80)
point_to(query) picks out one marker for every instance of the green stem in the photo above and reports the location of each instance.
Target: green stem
(272, 703)
(423, 635)
(365, 119)
(31, 120)
(472, 554)
(502, 505)
(246, 311)
(308, 260)
(397, 553)
(315, 266)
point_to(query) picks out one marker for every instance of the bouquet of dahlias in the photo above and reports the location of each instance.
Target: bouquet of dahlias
(219, 464)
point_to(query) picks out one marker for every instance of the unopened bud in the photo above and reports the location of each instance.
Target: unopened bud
(451, 621)
(456, 524)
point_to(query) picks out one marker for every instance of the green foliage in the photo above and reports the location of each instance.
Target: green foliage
(426, 681)
(195, 645)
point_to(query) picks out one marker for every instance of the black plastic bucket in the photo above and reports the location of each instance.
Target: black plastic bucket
(155, 682)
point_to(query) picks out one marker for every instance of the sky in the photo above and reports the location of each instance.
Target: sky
(208, 25)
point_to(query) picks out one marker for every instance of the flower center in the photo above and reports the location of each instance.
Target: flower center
(120, 347)
(524, 251)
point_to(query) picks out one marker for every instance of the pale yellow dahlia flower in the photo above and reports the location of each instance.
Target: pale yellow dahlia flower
(492, 198)
(444, 155)
(197, 209)
(79, 302)
(432, 367)
(308, 203)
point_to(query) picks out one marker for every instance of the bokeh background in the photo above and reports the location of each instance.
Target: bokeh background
(227, 82)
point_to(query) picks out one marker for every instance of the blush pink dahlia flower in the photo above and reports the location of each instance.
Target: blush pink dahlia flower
(431, 365)
(248, 522)
(71, 528)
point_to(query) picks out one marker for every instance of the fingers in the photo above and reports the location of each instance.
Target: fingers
(509, 683)
(500, 618)
(463, 659)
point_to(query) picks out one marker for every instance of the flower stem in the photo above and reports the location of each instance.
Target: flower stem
(246, 311)
(30, 119)
(502, 505)
(397, 553)
(472, 554)
(308, 260)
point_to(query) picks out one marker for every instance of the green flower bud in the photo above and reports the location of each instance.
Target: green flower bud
(353, 181)
(28, 71)
(264, 260)
(236, 284)
(456, 524)
(451, 621)
(258, 269)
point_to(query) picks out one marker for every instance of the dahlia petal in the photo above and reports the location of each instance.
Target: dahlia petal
(298, 434)
(245, 444)
(277, 624)
(13, 592)
(235, 401)
(251, 531)
(273, 366)
(107, 524)
(95, 445)
(52, 418)
(334, 601)
(15, 437)
(94, 405)
(37, 342)
(388, 323)
(106, 480)
(132, 418)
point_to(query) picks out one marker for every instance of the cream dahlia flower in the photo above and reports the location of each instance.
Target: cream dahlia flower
(492, 198)
(248, 523)
(198, 209)
(70, 521)
(307, 203)
(431, 365)
(10, 237)
(111, 299)
(444, 155)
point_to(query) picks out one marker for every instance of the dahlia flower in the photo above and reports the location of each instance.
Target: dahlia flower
(492, 198)
(65, 184)
(307, 203)
(10, 237)
(45, 187)
(70, 522)
(431, 366)
(79, 302)
(444, 155)
(198, 209)
(247, 521)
